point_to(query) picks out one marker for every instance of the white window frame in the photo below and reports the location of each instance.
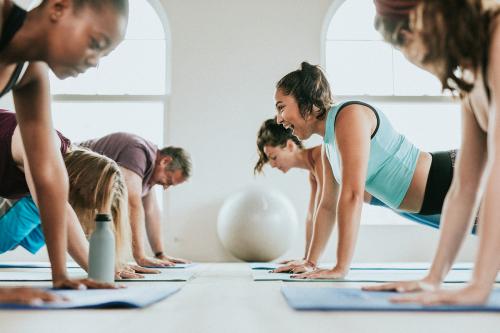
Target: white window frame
(164, 98)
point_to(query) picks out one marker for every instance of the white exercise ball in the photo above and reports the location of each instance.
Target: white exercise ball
(257, 224)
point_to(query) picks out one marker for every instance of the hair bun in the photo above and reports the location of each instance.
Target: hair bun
(305, 66)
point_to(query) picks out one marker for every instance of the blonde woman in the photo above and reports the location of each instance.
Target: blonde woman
(96, 185)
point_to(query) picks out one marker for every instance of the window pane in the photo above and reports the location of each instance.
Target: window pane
(86, 120)
(80, 121)
(143, 23)
(431, 126)
(136, 67)
(84, 84)
(354, 21)
(350, 32)
(409, 80)
(359, 67)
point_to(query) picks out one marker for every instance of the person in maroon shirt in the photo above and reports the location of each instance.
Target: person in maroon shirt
(144, 166)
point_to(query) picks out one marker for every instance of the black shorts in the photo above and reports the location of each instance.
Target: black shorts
(438, 181)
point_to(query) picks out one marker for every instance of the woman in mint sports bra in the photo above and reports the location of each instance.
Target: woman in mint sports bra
(278, 147)
(364, 152)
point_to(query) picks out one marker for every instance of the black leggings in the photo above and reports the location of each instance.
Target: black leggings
(438, 181)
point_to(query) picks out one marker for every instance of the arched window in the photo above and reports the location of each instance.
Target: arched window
(128, 90)
(361, 66)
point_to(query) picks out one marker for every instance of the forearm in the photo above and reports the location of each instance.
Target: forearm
(322, 229)
(136, 217)
(487, 261)
(52, 199)
(348, 216)
(154, 231)
(459, 210)
(78, 246)
(309, 229)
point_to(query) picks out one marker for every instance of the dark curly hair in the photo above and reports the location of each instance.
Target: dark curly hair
(309, 86)
(272, 134)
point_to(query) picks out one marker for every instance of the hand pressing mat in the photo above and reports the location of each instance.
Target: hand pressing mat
(131, 297)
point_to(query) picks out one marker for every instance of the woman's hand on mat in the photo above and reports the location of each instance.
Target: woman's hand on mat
(173, 259)
(298, 266)
(426, 284)
(134, 272)
(25, 295)
(318, 273)
(153, 262)
(470, 295)
(82, 284)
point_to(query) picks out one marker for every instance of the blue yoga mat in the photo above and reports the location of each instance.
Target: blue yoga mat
(33, 264)
(44, 274)
(340, 299)
(131, 297)
(365, 276)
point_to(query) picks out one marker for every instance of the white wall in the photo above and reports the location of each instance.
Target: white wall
(226, 58)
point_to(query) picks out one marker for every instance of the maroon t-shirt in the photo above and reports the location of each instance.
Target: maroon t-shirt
(13, 183)
(129, 151)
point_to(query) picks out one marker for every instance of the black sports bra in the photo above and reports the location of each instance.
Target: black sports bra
(12, 24)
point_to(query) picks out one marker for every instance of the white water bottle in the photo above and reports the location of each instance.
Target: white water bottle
(102, 250)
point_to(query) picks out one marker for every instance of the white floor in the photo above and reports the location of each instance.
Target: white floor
(224, 298)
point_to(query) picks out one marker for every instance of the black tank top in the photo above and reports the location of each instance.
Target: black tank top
(13, 23)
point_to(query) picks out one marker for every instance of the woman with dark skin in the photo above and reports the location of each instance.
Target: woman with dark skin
(459, 42)
(67, 37)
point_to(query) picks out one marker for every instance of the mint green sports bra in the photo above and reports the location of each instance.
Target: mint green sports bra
(392, 161)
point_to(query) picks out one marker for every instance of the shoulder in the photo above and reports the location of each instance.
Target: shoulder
(132, 139)
(355, 115)
(35, 72)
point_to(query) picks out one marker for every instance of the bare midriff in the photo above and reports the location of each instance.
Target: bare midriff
(414, 197)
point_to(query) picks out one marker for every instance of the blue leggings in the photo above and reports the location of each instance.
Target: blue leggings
(428, 220)
(20, 226)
